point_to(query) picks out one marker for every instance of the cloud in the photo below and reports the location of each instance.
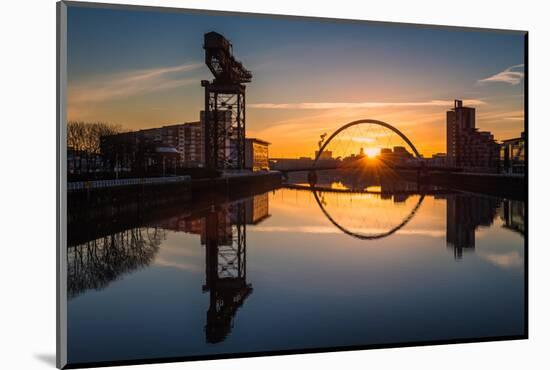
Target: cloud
(361, 105)
(519, 118)
(125, 84)
(505, 260)
(177, 265)
(511, 75)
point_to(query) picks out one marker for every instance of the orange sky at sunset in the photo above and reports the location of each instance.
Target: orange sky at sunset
(309, 77)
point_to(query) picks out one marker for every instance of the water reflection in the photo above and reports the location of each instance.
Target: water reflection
(222, 229)
(375, 215)
(96, 263)
(513, 214)
(378, 225)
(465, 213)
(224, 236)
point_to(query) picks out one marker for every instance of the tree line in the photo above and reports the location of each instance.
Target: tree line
(84, 140)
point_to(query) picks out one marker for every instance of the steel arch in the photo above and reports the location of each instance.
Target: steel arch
(374, 236)
(361, 121)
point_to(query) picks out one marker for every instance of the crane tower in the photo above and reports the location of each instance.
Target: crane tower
(224, 105)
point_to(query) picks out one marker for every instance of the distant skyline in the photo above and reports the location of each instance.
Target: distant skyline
(143, 69)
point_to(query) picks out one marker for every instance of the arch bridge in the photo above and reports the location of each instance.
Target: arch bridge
(320, 164)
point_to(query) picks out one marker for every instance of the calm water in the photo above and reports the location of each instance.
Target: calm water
(290, 269)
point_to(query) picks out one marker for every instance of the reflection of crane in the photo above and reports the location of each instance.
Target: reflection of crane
(225, 241)
(224, 105)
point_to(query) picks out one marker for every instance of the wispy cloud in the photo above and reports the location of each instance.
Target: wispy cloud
(505, 260)
(177, 265)
(519, 118)
(361, 105)
(125, 84)
(511, 75)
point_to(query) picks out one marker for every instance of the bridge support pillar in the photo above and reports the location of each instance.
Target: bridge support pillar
(312, 177)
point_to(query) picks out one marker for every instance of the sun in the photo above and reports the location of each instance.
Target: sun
(372, 152)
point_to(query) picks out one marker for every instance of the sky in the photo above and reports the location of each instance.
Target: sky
(142, 69)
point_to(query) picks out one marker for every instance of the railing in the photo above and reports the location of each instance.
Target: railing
(99, 184)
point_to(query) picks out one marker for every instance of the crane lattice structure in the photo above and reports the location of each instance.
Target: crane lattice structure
(225, 242)
(224, 105)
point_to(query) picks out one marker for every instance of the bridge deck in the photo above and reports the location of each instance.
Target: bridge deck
(388, 167)
(326, 189)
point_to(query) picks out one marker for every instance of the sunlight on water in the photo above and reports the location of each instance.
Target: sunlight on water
(256, 273)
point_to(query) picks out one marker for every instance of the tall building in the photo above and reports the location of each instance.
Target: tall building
(191, 144)
(466, 146)
(227, 137)
(186, 138)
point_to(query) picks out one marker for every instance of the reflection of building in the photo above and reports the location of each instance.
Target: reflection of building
(257, 208)
(466, 146)
(512, 155)
(184, 224)
(256, 155)
(222, 231)
(465, 213)
(512, 213)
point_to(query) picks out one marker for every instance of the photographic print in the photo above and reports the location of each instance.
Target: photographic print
(237, 184)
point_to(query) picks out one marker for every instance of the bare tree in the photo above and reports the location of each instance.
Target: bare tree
(85, 138)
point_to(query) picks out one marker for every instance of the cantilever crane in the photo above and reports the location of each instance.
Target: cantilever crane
(221, 62)
(224, 237)
(224, 106)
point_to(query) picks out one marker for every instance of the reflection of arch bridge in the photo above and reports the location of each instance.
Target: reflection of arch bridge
(326, 189)
(385, 231)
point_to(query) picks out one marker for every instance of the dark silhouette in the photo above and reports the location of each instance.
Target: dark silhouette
(224, 105)
(84, 148)
(465, 214)
(96, 263)
(221, 224)
(224, 238)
